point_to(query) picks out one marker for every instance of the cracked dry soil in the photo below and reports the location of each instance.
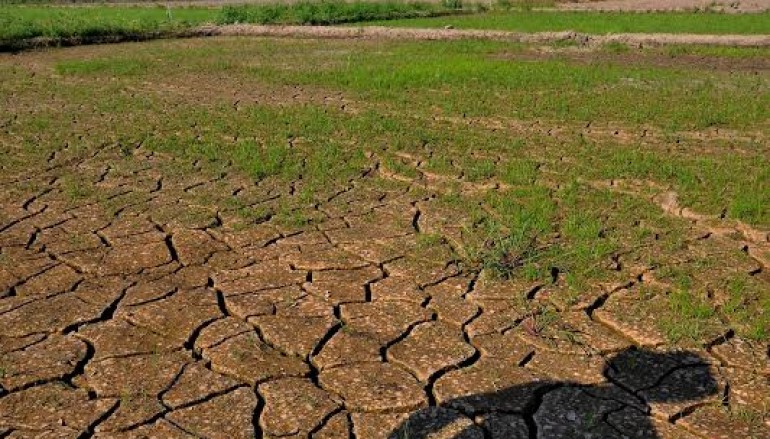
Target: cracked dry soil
(150, 313)
(161, 320)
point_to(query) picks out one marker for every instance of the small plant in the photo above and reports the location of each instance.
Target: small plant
(289, 217)
(347, 329)
(754, 418)
(591, 420)
(76, 189)
(125, 149)
(477, 170)
(126, 397)
(518, 172)
(429, 240)
(399, 167)
(263, 161)
(616, 47)
(77, 239)
(404, 431)
(688, 318)
(440, 164)
(503, 256)
(539, 321)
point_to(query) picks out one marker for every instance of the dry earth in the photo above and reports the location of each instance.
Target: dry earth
(162, 320)
(168, 317)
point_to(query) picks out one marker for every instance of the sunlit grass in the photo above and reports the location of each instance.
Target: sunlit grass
(600, 22)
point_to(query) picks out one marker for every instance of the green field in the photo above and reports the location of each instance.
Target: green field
(601, 22)
(22, 23)
(19, 23)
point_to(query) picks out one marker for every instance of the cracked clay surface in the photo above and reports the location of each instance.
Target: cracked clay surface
(164, 317)
(163, 320)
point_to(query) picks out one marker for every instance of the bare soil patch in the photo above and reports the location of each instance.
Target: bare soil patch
(377, 32)
(452, 34)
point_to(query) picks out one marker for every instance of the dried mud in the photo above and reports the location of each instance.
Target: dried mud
(162, 316)
(160, 321)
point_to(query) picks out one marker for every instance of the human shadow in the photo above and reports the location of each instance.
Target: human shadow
(638, 383)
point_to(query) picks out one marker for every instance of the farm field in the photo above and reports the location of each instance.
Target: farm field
(25, 26)
(599, 22)
(234, 237)
(22, 25)
(739, 6)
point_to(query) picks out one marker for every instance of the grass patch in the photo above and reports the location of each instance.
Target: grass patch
(477, 79)
(21, 22)
(518, 172)
(746, 198)
(510, 238)
(479, 169)
(688, 317)
(600, 22)
(326, 12)
(748, 307)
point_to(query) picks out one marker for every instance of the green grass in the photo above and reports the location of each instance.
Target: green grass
(19, 23)
(22, 22)
(745, 198)
(328, 12)
(600, 22)
(688, 318)
(483, 79)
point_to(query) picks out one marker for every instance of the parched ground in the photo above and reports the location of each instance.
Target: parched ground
(138, 300)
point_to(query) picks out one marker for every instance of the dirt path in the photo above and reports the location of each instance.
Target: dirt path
(378, 32)
(637, 39)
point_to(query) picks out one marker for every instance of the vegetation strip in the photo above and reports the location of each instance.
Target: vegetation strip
(23, 27)
(71, 24)
(377, 32)
(705, 23)
(332, 12)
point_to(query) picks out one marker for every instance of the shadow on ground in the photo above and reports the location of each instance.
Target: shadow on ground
(640, 384)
